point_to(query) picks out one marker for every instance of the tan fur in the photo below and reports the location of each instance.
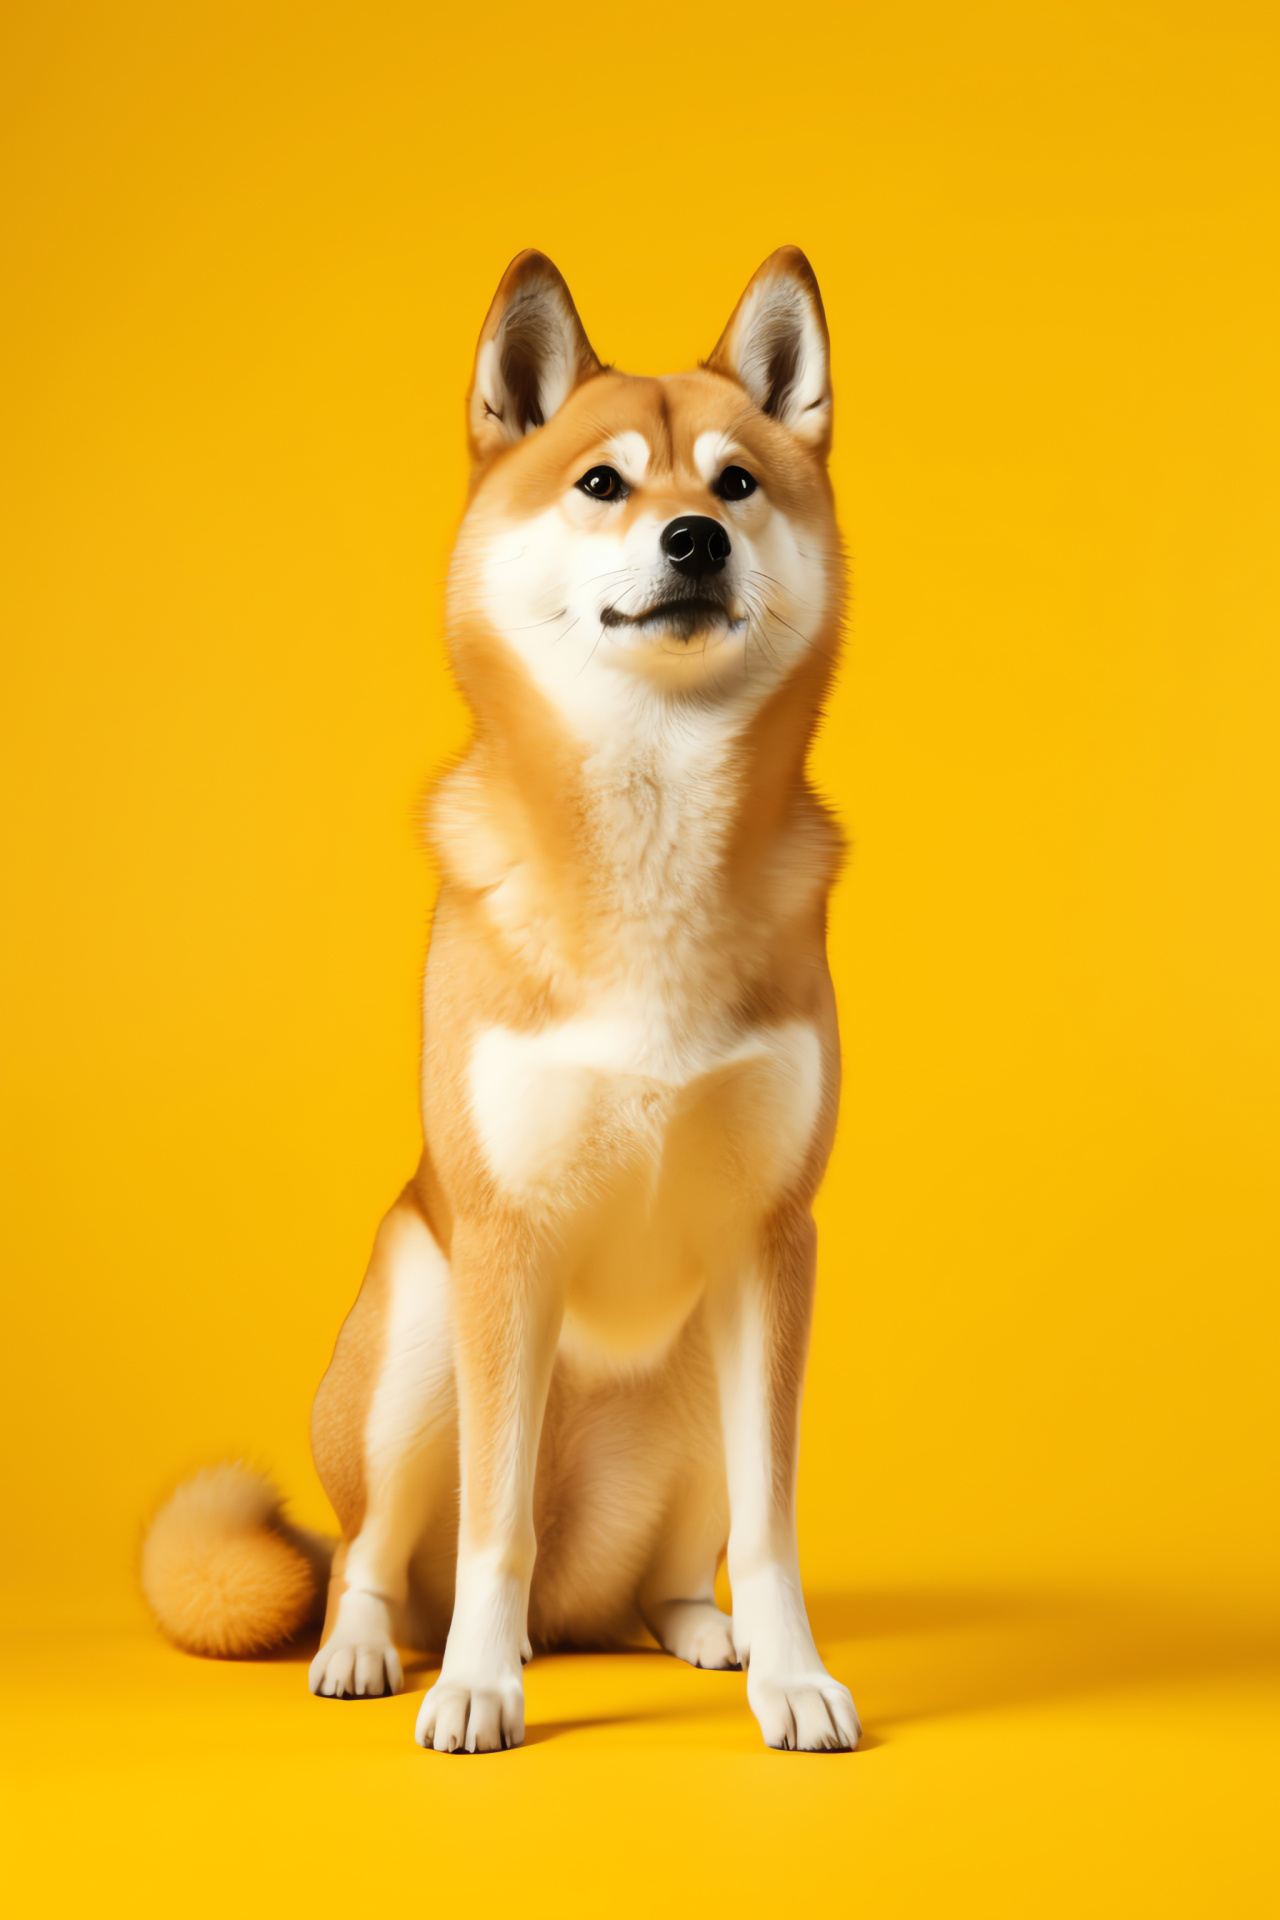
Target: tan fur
(341, 1405)
(223, 1572)
(591, 1307)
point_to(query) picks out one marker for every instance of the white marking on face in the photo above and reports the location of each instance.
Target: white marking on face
(712, 453)
(545, 585)
(630, 453)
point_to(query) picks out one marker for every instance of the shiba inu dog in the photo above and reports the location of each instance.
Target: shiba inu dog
(574, 1370)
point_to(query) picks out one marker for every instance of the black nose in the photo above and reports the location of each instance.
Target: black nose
(695, 545)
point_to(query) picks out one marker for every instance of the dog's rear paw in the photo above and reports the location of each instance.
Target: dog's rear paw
(360, 1671)
(481, 1719)
(812, 1714)
(696, 1631)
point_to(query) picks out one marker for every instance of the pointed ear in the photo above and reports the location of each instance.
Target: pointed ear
(532, 354)
(776, 346)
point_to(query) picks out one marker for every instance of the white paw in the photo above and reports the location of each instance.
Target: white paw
(811, 1713)
(360, 1671)
(455, 1718)
(696, 1631)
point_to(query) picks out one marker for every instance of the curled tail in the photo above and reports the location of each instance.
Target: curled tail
(224, 1572)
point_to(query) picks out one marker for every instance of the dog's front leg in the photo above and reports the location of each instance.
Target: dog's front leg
(760, 1327)
(507, 1315)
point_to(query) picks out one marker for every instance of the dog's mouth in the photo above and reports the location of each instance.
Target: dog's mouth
(680, 618)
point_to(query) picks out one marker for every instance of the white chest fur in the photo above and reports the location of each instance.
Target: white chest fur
(650, 1130)
(652, 1161)
(591, 1094)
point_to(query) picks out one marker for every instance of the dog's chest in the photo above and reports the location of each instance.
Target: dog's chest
(614, 1092)
(650, 1131)
(651, 1155)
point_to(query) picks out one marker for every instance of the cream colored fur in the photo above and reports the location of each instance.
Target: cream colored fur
(574, 1371)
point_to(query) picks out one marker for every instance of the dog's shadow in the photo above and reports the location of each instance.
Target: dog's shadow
(919, 1654)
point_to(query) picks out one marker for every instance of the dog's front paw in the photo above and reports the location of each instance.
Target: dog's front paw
(484, 1718)
(359, 1670)
(811, 1713)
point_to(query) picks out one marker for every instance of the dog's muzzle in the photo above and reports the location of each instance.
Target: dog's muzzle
(695, 548)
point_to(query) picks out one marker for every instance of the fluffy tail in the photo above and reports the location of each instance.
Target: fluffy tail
(223, 1570)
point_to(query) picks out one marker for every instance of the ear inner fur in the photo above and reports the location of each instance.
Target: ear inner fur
(531, 355)
(776, 346)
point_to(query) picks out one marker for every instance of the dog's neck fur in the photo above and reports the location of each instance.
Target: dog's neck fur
(643, 855)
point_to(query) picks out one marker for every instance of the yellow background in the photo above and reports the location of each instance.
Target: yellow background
(247, 250)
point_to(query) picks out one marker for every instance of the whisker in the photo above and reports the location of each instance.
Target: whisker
(759, 612)
(591, 656)
(613, 573)
(758, 574)
(540, 623)
(790, 629)
(771, 613)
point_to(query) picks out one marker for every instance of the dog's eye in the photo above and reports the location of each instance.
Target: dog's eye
(603, 483)
(735, 483)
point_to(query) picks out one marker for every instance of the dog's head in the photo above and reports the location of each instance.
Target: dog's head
(630, 538)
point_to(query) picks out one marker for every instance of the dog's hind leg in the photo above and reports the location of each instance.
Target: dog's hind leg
(677, 1599)
(384, 1436)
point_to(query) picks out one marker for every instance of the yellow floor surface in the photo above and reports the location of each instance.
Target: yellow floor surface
(1023, 1755)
